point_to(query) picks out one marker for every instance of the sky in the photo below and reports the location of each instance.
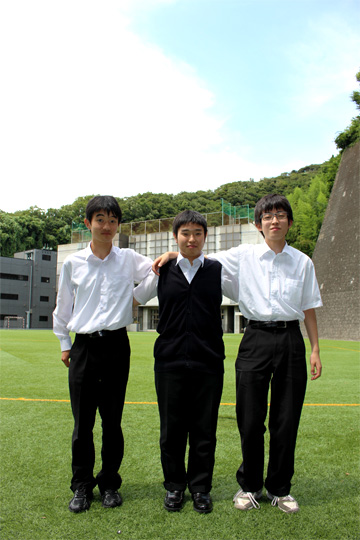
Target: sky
(121, 97)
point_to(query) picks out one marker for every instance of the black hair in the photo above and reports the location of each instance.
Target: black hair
(103, 202)
(267, 203)
(189, 216)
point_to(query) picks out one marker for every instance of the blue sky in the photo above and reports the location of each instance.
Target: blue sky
(127, 96)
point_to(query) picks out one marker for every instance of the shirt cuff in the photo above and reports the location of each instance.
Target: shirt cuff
(65, 344)
(138, 298)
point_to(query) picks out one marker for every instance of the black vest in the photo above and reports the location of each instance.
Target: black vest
(190, 319)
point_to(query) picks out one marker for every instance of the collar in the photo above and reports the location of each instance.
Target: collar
(89, 254)
(265, 251)
(200, 259)
(288, 250)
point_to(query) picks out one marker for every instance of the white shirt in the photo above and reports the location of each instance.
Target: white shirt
(96, 294)
(271, 287)
(148, 288)
(189, 270)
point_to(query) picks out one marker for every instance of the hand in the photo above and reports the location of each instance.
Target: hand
(65, 357)
(316, 366)
(160, 261)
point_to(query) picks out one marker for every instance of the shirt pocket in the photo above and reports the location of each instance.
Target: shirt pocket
(292, 292)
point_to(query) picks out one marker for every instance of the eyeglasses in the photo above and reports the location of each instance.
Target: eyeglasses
(269, 216)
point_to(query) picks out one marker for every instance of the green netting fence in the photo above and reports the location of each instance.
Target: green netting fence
(239, 214)
(79, 233)
(229, 215)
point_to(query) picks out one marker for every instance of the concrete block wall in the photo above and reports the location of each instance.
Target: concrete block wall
(336, 255)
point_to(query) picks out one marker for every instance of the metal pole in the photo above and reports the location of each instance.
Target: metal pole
(28, 313)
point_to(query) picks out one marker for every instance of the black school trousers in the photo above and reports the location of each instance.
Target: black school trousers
(188, 404)
(98, 375)
(275, 359)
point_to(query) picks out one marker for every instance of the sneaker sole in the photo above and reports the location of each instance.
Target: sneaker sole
(285, 510)
(289, 511)
(250, 507)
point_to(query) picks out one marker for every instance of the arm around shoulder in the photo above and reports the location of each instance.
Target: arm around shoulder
(163, 259)
(229, 260)
(146, 290)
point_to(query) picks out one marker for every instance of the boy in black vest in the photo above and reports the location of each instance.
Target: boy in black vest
(189, 354)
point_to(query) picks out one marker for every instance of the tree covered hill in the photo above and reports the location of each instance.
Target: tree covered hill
(36, 228)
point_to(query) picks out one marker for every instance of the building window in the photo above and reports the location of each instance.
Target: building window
(45, 279)
(6, 296)
(46, 257)
(43, 318)
(154, 318)
(44, 298)
(17, 277)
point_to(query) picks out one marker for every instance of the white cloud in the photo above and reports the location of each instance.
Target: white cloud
(325, 63)
(88, 107)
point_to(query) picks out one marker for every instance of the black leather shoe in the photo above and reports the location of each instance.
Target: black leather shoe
(81, 500)
(111, 498)
(174, 501)
(202, 502)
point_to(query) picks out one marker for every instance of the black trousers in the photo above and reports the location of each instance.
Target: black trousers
(272, 358)
(188, 406)
(98, 375)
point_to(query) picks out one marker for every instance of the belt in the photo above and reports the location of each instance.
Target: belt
(99, 334)
(273, 324)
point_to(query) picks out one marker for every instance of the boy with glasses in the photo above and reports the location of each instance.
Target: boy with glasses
(277, 288)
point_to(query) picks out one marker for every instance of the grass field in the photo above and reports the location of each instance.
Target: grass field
(36, 427)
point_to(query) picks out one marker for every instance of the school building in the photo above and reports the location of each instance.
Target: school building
(28, 289)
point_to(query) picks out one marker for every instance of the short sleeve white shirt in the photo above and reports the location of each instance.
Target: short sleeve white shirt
(97, 294)
(270, 286)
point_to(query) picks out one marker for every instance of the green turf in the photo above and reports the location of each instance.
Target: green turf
(35, 454)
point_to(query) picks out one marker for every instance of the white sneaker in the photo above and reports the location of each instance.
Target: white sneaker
(287, 503)
(246, 500)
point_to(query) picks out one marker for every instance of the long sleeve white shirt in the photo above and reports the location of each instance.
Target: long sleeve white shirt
(148, 288)
(96, 294)
(271, 287)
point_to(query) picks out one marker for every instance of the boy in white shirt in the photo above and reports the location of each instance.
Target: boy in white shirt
(95, 301)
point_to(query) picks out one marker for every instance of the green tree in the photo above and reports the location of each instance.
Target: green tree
(33, 227)
(356, 94)
(351, 134)
(309, 208)
(10, 233)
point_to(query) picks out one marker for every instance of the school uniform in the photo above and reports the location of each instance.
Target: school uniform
(274, 290)
(95, 301)
(189, 354)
